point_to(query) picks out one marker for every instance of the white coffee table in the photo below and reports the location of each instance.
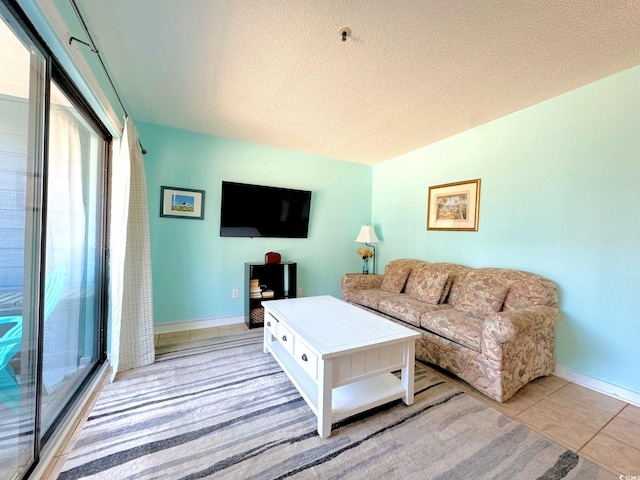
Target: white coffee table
(339, 357)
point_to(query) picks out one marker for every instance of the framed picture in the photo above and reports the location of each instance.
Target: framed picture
(454, 206)
(181, 203)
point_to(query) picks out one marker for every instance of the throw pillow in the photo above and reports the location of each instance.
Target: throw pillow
(395, 276)
(446, 289)
(428, 286)
(480, 296)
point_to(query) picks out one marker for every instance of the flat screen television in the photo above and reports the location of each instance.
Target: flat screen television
(261, 211)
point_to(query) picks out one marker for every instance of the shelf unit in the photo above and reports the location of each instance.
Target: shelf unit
(279, 277)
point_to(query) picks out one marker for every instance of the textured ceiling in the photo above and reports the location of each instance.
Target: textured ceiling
(412, 72)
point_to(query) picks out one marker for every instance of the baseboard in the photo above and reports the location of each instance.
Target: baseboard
(196, 324)
(583, 380)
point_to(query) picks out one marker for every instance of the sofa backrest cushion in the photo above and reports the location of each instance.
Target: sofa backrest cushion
(405, 262)
(395, 276)
(426, 284)
(528, 289)
(525, 289)
(482, 294)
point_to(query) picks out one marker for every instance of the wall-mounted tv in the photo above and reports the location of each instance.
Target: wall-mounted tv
(261, 211)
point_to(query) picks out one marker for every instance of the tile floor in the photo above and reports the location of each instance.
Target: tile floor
(172, 338)
(598, 427)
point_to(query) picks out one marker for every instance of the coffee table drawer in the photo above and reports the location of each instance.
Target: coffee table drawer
(286, 338)
(271, 324)
(306, 359)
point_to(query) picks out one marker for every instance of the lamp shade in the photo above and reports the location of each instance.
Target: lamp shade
(367, 235)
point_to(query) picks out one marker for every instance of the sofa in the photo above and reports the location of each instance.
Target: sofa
(492, 327)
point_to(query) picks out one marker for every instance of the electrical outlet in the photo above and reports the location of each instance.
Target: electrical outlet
(234, 293)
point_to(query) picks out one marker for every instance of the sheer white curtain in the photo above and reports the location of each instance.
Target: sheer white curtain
(131, 289)
(66, 239)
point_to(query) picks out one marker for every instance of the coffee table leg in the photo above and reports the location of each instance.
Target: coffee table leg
(267, 339)
(325, 390)
(408, 372)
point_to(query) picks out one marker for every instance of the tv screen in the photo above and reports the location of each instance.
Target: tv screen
(261, 211)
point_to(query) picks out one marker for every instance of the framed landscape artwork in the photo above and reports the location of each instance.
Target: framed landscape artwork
(181, 203)
(454, 206)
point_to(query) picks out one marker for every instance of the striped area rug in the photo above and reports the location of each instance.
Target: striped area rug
(224, 409)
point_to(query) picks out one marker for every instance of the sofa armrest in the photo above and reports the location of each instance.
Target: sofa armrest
(356, 281)
(506, 326)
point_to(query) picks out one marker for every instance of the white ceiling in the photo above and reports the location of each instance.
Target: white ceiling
(412, 72)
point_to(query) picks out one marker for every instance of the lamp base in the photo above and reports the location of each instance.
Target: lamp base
(374, 258)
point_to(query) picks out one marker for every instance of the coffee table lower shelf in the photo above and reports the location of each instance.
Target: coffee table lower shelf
(346, 400)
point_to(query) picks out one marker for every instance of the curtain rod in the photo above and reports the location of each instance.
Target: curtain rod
(92, 46)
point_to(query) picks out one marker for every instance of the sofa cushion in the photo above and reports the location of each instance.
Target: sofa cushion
(526, 289)
(534, 291)
(427, 284)
(481, 294)
(407, 308)
(369, 298)
(455, 325)
(395, 277)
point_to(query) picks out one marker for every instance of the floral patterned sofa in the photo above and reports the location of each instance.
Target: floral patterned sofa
(492, 327)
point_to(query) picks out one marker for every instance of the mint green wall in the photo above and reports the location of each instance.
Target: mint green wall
(194, 269)
(558, 198)
(560, 183)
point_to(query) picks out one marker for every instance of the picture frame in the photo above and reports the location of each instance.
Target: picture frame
(178, 202)
(454, 206)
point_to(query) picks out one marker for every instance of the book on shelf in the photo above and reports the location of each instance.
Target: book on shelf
(267, 294)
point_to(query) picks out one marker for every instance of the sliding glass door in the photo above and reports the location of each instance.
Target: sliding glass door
(72, 256)
(53, 159)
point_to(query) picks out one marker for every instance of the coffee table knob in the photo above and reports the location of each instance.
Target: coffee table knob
(284, 338)
(304, 357)
(268, 324)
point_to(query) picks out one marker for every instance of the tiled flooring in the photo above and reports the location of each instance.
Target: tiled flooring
(596, 426)
(172, 338)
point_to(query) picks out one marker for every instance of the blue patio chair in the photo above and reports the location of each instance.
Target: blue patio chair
(11, 341)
